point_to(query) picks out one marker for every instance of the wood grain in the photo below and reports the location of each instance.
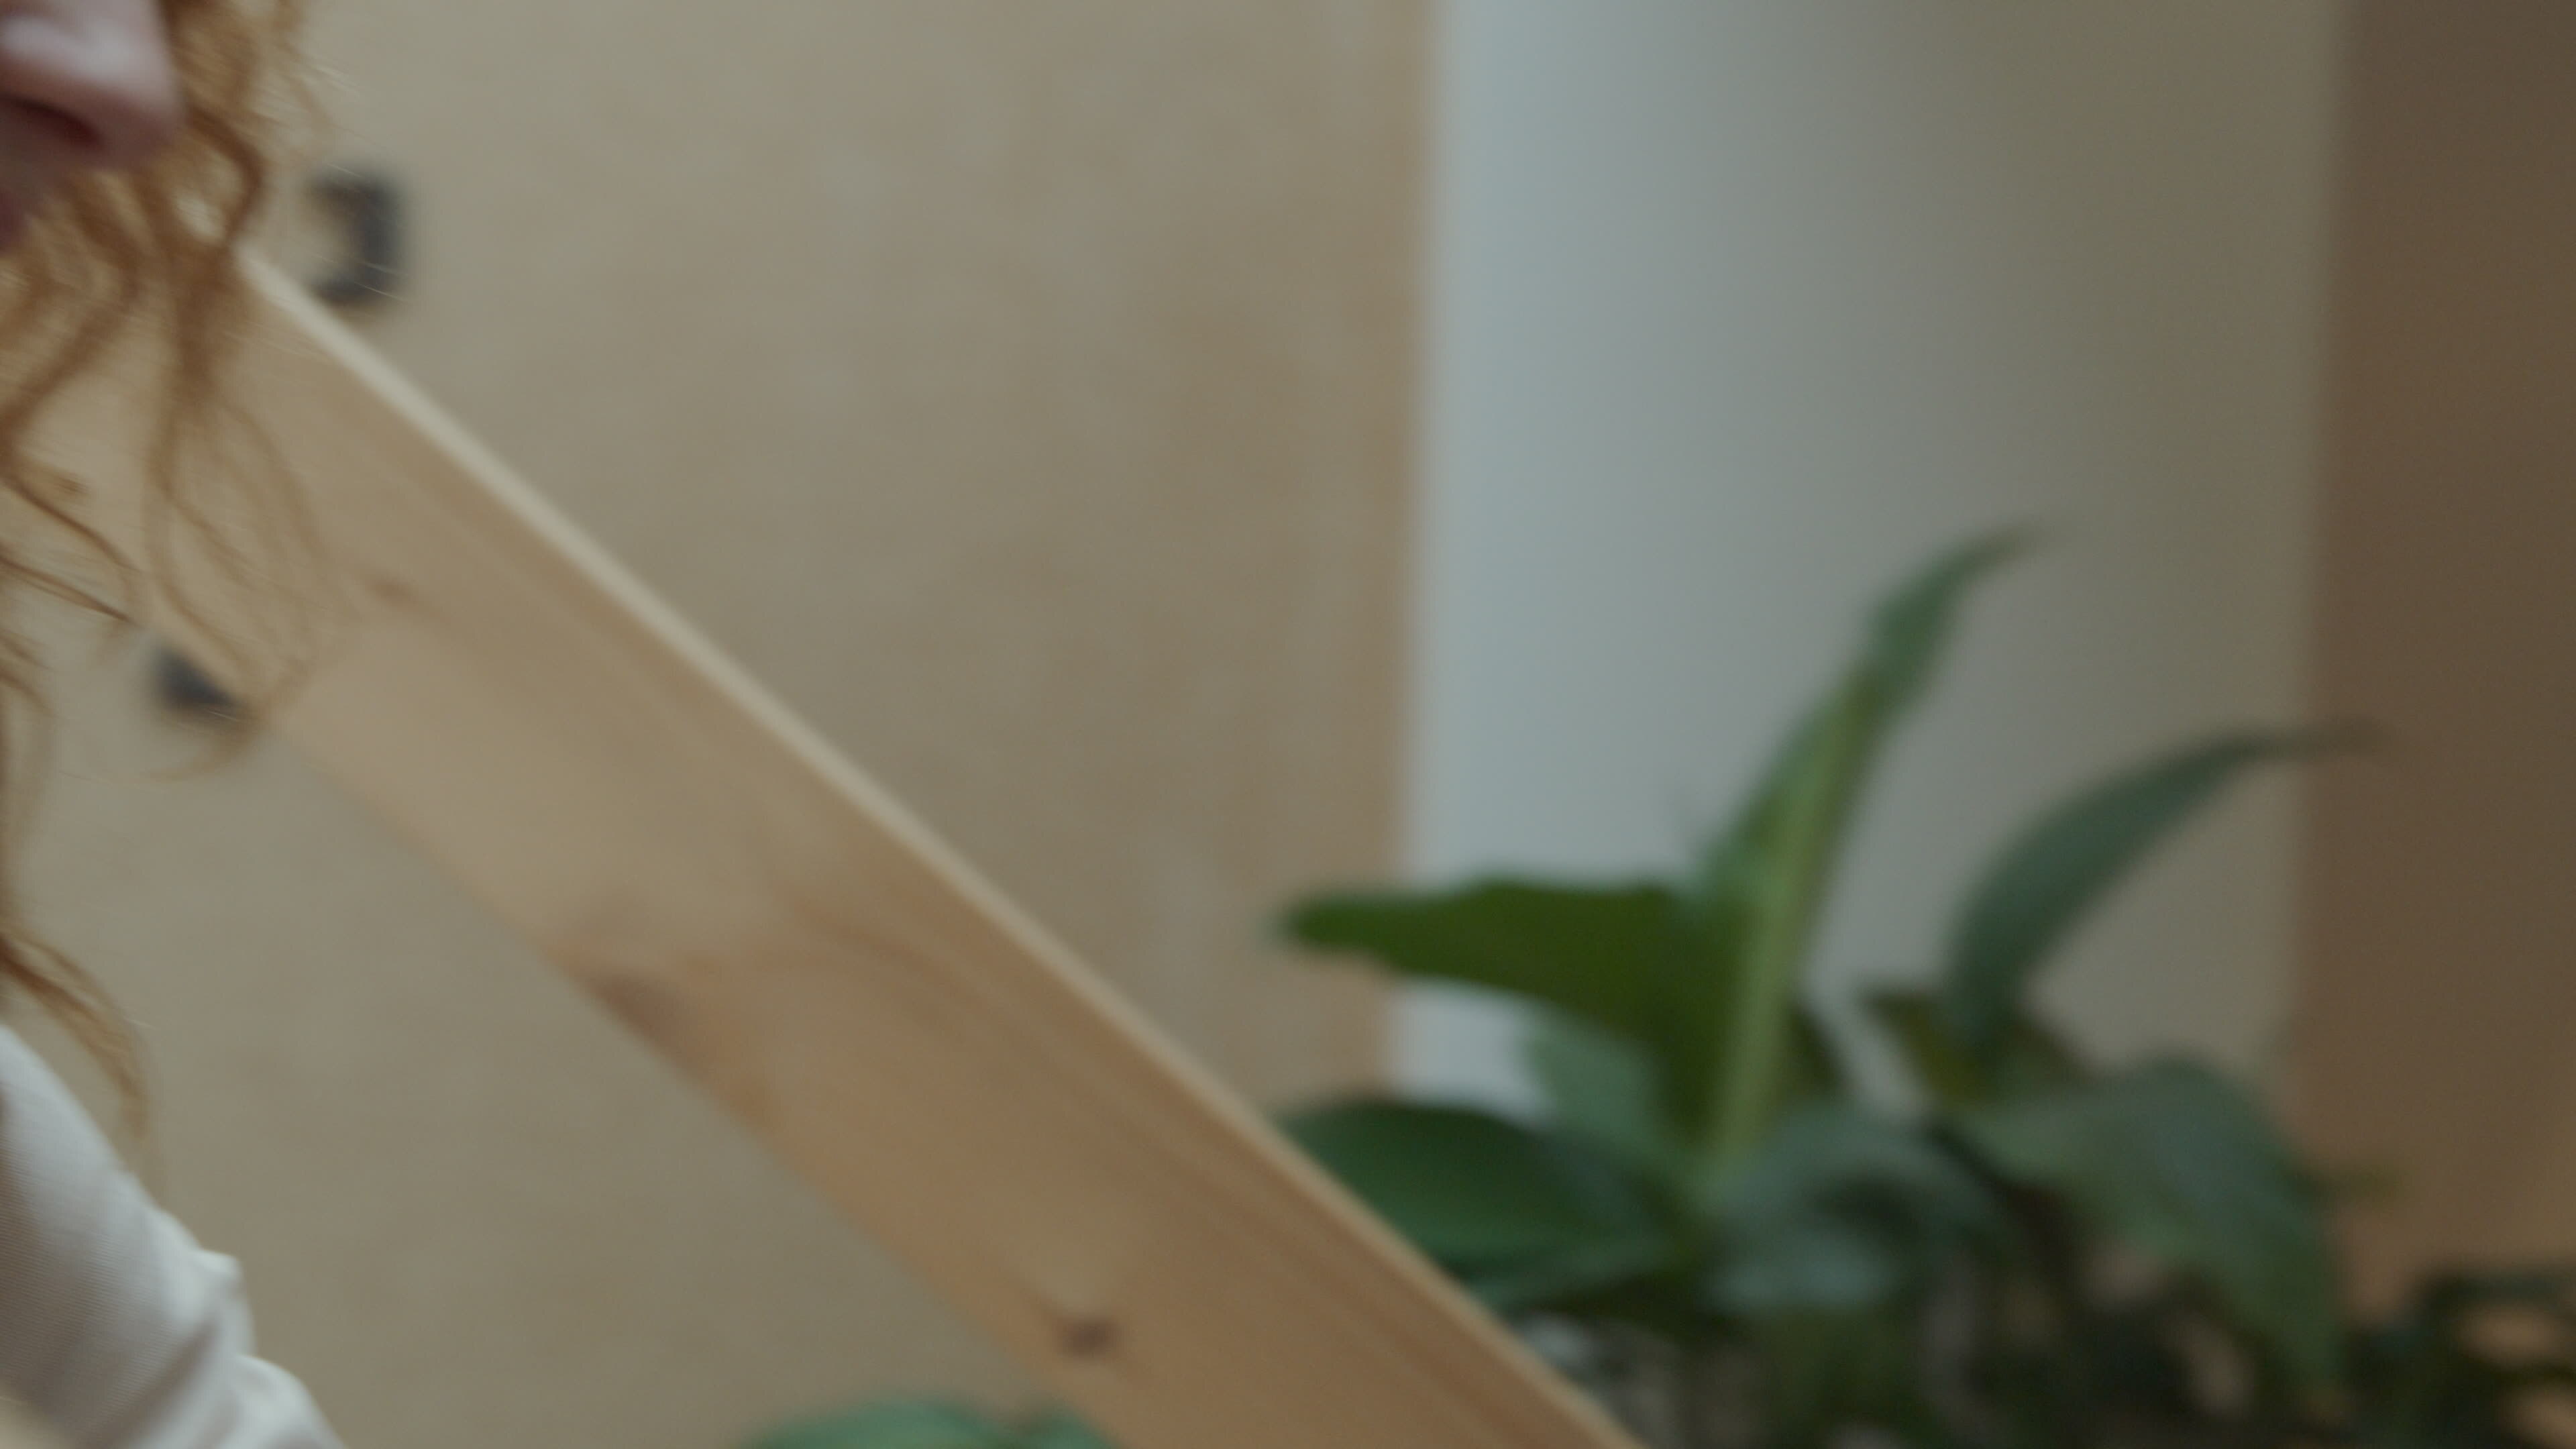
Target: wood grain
(1026, 398)
(624, 797)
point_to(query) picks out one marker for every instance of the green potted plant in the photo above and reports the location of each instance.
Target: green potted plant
(1711, 1230)
(1728, 1244)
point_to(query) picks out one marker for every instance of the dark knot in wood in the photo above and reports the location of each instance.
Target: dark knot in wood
(1087, 1338)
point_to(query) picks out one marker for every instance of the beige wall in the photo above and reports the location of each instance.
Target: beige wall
(1023, 391)
(2439, 998)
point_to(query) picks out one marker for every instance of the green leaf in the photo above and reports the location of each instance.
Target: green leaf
(1573, 1276)
(1620, 959)
(2185, 1168)
(1608, 1090)
(1840, 1210)
(1911, 627)
(912, 1424)
(2426, 1375)
(1825, 1264)
(1762, 885)
(2033, 1058)
(1602, 1088)
(1591, 952)
(2045, 880)
(2450, 1298)
(1814, 1073)
(1826, 1374)
(1941, 1066)
(1477, 1193)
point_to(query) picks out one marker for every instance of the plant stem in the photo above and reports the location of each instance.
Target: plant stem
(1789, 898)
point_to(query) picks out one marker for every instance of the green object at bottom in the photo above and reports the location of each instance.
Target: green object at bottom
(928, 1424)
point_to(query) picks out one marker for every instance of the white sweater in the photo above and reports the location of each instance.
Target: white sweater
(115, 1327)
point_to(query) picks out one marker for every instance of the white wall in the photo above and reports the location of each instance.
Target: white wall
(1744, 306)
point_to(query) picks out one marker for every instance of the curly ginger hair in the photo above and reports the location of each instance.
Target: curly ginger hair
(147, 255)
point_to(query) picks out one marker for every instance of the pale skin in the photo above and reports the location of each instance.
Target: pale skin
(85, 85)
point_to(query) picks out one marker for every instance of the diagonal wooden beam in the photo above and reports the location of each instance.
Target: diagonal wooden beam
(602, 778)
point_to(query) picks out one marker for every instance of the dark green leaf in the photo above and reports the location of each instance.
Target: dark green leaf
(1601, 1087)
(1763, 883)
(1843, 1209)
(1814, 1072)
(1606, 1089)
(2054, 872)
(906, 1425)
(2424, 1377)
(1942, 1068)
(1824, 1374)
(1476, 1192)
(2185, 1168)
(1911, 627)
(2447, 1294)
(2033, 1058)
(1573, 1275)
(2427, 1375)
(1590, 952)
(1824, 1264)
(2134, 1361)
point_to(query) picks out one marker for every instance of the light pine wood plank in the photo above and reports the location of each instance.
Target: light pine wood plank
(1054, 361)
(714, 874)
